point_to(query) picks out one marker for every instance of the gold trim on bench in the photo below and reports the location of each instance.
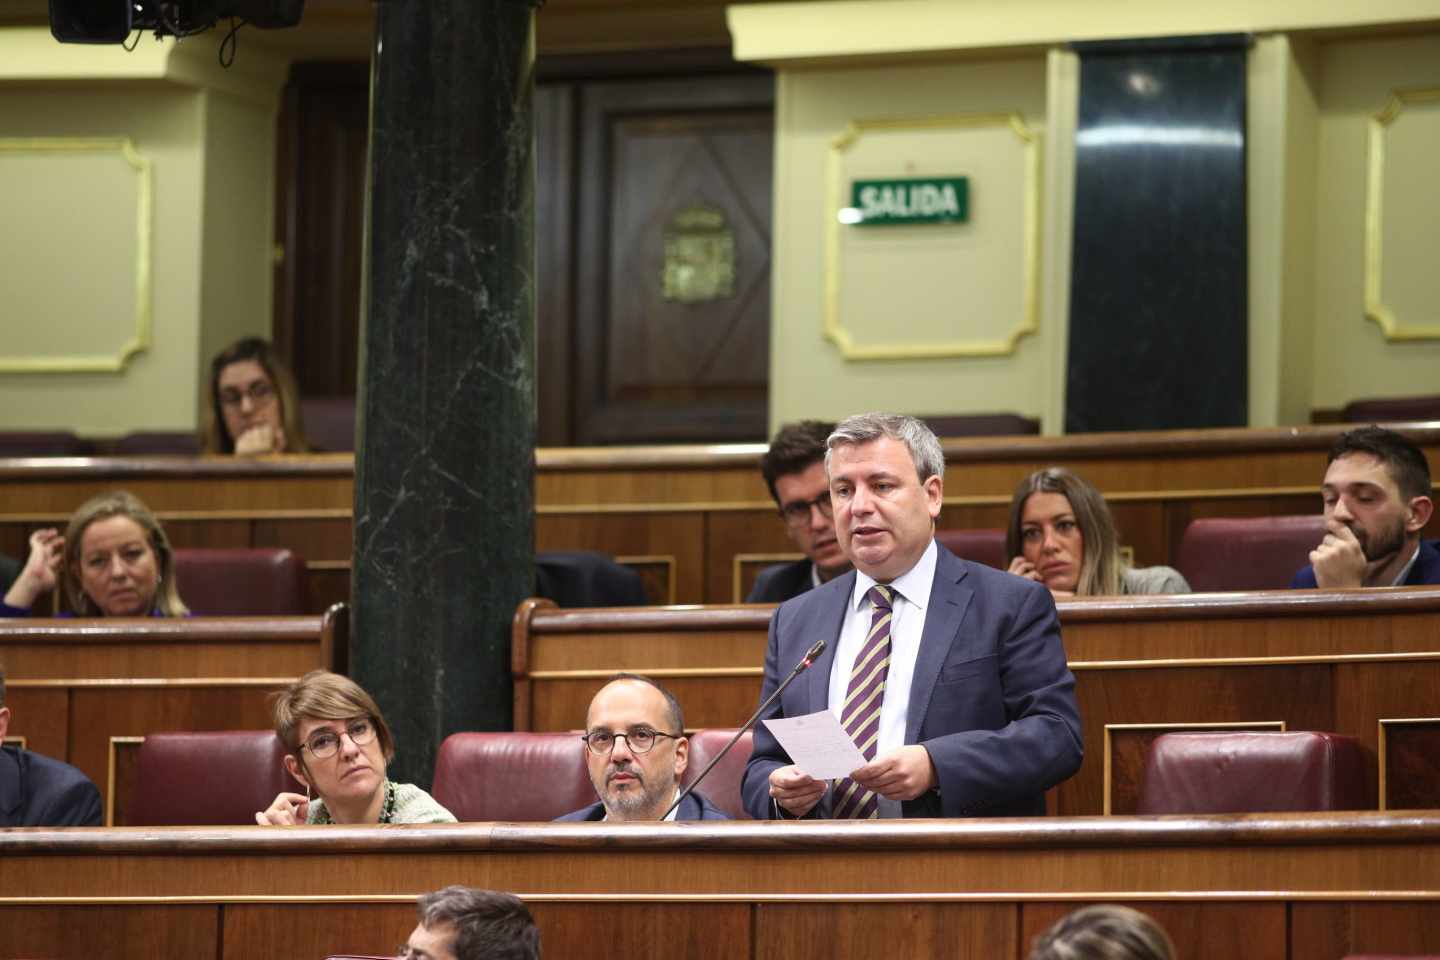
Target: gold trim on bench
(1218, 725)
(110, 776)
(668, 559)
(1383, 747)
(740, 559)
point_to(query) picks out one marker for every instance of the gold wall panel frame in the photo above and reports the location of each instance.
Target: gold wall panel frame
(1029, 321)
(116, 747)
(1375, 308)
(144, 227)
(1111, 728)
(1383, 747)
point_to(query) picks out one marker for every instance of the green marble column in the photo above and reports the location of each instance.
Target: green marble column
(444, 464)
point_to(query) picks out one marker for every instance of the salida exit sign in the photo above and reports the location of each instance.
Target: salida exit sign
(922, 200)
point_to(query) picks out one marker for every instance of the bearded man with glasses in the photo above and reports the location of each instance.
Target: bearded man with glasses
(636, 751)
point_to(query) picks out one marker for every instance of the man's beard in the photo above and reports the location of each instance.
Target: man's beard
(1387, 544)
(631, 802)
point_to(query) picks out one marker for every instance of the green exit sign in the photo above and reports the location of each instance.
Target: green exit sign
(923, 200)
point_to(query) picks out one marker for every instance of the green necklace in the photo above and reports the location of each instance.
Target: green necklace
(387, 809)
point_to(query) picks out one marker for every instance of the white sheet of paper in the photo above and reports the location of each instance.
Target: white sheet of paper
(817, 744)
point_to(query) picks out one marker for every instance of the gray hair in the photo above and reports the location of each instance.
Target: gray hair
(924, 448)
(488, 924)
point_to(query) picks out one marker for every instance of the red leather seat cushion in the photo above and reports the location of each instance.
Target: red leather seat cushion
(512, 776)
(981, 546)
(40, 443)
(208, 779)
(241, 583)
(1253, 772)
(1251, 553)
(722, 787)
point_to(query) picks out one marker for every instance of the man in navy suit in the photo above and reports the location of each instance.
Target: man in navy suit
(36, 791)
(976, 707)
(1377, 501)
(636, 752)
(794, 469)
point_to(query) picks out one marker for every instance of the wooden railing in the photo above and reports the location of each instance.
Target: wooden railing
(1361, 663)
(696, 521)
(76, 687)
(1272, 887)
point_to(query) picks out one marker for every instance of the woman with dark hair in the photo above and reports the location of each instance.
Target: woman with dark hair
(338, 746)
(114, 558)
(254, 406)
(1061, 534)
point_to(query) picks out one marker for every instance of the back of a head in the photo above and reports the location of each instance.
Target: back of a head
(488, 924)
(1104, 932)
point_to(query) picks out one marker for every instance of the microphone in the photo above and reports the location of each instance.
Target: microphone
(815, 650)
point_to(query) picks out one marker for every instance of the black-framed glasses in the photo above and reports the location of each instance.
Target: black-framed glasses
(797, 512)
(260, 393)
(324, 743)
(640, 740)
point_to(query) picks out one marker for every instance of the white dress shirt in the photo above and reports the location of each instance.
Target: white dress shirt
(907, 625)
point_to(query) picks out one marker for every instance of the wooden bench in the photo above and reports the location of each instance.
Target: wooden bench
(1271, 887)
(696, 521)
(1361, 663)
(83, 691)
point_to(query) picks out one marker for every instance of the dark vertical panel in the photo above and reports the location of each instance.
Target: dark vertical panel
(651, 367)
(554, 261)
(1158, 291)
(444, 465)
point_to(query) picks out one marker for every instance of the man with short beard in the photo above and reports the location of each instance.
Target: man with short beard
(636, 751)
(1377, 501)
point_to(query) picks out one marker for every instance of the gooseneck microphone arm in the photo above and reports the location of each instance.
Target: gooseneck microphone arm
(815, 650)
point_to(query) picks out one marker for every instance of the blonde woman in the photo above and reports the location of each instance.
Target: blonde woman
(114, 558)
(1061, 534)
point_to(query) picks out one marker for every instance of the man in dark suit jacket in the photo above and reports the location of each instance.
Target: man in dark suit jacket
(636, 752)
(974, 709)
(36, 791)
(794, 469)
(1377, 501)
(9, 570)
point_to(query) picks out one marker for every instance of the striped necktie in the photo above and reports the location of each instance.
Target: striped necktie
(864, 696)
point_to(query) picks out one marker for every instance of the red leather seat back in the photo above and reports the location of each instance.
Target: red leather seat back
(1392, 410)
(42, 443)
(512, 776)
(1250, 553)
(982, 425)
(208, 779)
(329, 423)
(981, 546)
(157, 441)
(267, 581)
(1253, 772)
(722, 787)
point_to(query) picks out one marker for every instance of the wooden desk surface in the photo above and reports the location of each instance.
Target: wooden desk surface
(1276, 886)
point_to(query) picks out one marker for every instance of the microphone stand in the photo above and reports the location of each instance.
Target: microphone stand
(815, 650)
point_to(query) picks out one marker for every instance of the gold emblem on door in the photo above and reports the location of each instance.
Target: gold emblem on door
(699, 256)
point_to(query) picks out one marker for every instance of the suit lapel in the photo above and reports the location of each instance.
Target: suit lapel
(830, 620)
(949, 599)
(12, 792)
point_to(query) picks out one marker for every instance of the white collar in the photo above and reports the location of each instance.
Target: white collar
(914, 584)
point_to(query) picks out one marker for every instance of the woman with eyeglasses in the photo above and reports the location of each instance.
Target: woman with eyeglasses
(337, 747)
(113, 558)
(254, 407)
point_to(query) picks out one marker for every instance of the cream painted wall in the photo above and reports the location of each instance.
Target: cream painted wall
(238, 225)
(1280, 155)
(209, 134)
(1352, 358)
(809, 377)
(157, 388)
